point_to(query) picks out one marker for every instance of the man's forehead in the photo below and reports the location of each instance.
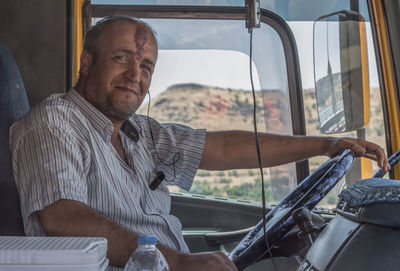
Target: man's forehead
(122, 28)
(131, 33)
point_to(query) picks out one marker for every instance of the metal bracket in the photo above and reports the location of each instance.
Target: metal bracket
(253, 13)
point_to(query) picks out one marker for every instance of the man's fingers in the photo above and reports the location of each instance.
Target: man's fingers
(371, 156)
(381, 161)
(376, 153)
(231, 266)
(366, 149)
(380, 156)
(354, 146)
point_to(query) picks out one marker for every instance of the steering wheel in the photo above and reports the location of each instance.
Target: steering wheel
(279, 220)
(393, 159)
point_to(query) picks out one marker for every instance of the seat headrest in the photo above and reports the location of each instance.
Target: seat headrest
(13, 106)
(13, 97)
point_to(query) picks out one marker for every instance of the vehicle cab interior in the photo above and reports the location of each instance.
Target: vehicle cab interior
(315, 67)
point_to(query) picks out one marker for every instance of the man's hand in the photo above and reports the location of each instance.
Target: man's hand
(361, 148)
(210, 261)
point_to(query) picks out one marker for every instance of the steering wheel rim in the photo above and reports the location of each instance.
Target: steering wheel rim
(307, 194)
(393, 159)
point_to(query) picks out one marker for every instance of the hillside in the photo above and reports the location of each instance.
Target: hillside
(217, 109)
(223, 109)
(226, 109)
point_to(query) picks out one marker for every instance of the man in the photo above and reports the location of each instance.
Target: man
(83, 161)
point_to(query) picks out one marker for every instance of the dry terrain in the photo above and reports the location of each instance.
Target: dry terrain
(214, 108)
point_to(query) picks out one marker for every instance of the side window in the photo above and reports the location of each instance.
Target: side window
(374, 131)
(202, 80)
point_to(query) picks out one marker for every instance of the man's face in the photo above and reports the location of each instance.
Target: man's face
(119, 77)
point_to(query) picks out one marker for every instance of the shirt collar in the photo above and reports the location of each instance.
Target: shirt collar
(97, 119)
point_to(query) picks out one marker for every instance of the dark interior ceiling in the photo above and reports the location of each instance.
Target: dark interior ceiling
(36, 34)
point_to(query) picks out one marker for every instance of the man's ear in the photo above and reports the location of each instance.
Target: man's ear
(86, 62)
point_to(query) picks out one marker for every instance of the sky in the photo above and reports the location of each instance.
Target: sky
(226, 69)
(230, 69)
(303, 32)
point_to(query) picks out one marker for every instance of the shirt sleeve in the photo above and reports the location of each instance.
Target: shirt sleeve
(177, 150)
(48, 165)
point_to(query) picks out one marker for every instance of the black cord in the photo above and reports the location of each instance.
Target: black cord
(258, 148)
(177, 155)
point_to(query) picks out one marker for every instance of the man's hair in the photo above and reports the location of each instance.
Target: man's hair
(90, 42)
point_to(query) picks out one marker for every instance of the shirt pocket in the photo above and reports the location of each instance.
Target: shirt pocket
(157, 201)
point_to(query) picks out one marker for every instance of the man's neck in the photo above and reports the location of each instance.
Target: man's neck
(116, 140)
(117, 126)
(80, 88)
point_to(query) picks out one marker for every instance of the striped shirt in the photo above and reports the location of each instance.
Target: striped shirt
(62, 150)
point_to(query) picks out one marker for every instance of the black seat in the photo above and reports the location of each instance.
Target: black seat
(13, 105)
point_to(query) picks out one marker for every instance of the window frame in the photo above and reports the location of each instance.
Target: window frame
(227, 13)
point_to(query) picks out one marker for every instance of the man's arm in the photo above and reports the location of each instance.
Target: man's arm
(73, 218)
(237, 149)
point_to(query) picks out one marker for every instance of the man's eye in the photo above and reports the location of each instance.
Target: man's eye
(121, 59)
(147, 68)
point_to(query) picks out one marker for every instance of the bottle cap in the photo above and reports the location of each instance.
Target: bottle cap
(147, 240)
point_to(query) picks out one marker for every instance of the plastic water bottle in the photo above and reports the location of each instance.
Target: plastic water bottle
(147, 257)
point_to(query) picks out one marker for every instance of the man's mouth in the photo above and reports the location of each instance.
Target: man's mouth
(128, 89)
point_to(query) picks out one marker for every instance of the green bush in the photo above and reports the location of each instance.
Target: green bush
(233, 173)
(244, 191)
(202, 173)
(204, 188)
(225, 180)
(247, 191)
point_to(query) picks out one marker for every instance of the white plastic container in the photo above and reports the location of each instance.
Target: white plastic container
(53, 253)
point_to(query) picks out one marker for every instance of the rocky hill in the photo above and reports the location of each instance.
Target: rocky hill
(222, 109)
(214, 108)
(218, 109)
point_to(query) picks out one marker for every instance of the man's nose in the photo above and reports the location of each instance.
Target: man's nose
(133, 72)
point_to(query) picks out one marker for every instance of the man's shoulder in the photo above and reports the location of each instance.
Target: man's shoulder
(139, 119)
(143, 122)
(55, 110)
(51, 110)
